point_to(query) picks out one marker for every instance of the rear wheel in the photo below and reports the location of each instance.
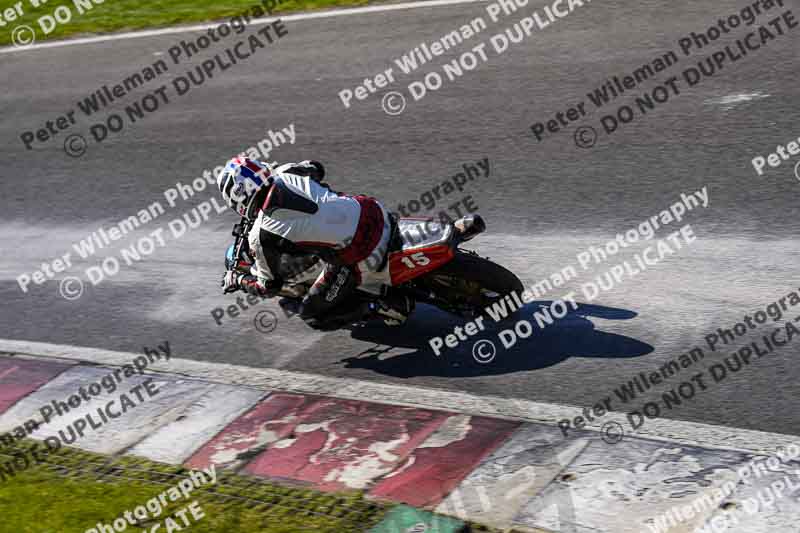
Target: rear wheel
(469, 283)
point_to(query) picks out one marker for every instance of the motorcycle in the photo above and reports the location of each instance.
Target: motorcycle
(424, 261)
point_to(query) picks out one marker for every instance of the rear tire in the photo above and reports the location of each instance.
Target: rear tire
(478, 281)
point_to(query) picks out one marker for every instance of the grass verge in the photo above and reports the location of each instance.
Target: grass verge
(72, 490)
(107, 16)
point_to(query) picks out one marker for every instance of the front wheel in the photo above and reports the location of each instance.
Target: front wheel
(469, 283)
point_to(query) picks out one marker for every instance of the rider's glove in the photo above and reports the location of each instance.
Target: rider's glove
(231, 281)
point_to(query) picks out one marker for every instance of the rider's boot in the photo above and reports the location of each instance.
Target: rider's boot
(341, 316)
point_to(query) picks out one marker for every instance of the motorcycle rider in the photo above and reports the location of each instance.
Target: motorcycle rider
(298, 218)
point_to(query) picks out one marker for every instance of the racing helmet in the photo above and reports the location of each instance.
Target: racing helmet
(244, 184)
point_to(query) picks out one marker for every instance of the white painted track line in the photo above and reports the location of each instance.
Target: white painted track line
(688, 433)
(265, 20)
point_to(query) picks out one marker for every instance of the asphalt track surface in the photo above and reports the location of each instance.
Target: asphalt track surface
(544, 201)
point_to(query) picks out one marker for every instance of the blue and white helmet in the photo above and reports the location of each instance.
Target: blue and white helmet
(244, 183)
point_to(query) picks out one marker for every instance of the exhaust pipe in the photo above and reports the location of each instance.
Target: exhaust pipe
(469, 226)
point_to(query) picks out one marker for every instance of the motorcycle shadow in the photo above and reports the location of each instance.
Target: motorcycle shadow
(574, 335)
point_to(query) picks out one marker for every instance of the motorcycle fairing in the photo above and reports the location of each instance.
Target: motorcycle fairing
(423, 232)
(426, 245)
(406, 264)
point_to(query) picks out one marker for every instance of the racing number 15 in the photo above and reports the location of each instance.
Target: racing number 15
(415, 260)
